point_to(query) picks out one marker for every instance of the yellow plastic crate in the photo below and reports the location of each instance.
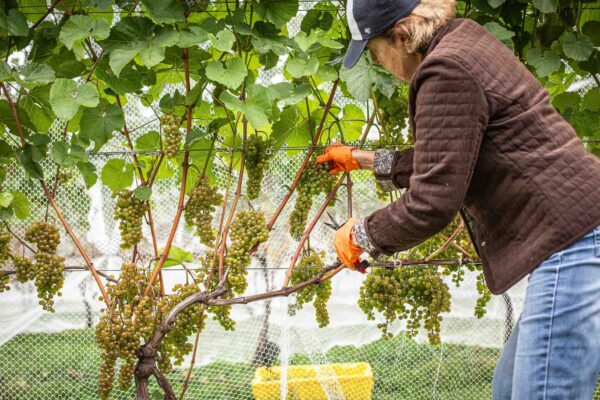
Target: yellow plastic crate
(308, 382)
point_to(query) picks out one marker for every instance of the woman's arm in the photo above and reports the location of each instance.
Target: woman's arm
(451, 116)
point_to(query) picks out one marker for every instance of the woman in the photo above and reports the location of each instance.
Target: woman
(487, 144)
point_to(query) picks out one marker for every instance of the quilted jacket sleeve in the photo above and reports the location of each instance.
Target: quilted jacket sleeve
(451, 114)
(393, 168)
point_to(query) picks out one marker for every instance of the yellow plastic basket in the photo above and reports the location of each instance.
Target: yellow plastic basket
(309, 382)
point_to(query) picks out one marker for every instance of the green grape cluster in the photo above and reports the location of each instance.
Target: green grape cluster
(134, 319)
(24, 268)
(4, 246)
(201, 205)
(315, 180)
(170, 126)
(415, 294)
(221, 314)
(48, 269)
(484, 296)
(310, 265)
(248, 228)
(121, 328)
(175, 344)
(129, 211)
(46, 236)
(394, 111)
(258, 154)
(4, 281)
(4, 255)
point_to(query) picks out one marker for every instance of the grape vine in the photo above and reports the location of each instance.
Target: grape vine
(133, 320)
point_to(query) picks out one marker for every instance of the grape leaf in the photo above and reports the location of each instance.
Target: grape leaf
(97, 124)
(14, 23)
(591, 100)
(88, 172)
(231, 75)
(66, 97)
(546, 6)
(117, 174)
(165, 11)
(279, 12)
(148, 142)
(68, 155)
(592, 30)
(495, 3)
(353, 120)
(177, 256)
(544, 61)
(291, 129)
(223, 40)
(80, 27)
(20, 205)
(33, 75)
(302, 65)
(363, 76)
(501, 33)
(5, 199)
(577, 46)
(142, 192)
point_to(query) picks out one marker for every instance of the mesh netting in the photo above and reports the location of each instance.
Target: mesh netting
(270, 354)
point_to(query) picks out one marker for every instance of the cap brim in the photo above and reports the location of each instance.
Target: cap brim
(354, 52)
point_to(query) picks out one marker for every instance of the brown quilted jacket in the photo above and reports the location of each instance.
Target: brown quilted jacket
(488, 144)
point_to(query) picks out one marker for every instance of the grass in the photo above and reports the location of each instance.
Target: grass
(63, 366)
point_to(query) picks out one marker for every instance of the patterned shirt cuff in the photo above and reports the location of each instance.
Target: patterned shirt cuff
(360, 237)
(382, 166)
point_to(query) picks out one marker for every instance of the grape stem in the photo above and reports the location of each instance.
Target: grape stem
(315, 142)
(317, 217)
(50, 198)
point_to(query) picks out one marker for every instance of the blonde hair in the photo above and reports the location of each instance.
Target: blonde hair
(423, 23)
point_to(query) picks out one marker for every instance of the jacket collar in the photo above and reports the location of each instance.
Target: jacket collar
(443, 31)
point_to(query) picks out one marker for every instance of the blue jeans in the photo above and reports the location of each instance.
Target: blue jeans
(553, 353)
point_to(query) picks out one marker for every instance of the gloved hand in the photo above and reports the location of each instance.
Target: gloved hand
(339, 157)
(348, 252)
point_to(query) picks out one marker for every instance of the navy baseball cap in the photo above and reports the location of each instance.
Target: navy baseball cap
(369, 18)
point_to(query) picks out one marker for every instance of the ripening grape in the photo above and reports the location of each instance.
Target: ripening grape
(4, 246)
(258, 155)
(44, 235)
(4, 280)
(134, 319)
(202, 202)
(248, 229)
(415, 294)
(310, 265)
(315, 180)
(48, 269)
(173, 138)
(394, 111)
(25, 269)
(484, 296)
(129, 211)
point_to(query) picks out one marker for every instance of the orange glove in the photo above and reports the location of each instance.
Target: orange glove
(339, 157)
(347, 251)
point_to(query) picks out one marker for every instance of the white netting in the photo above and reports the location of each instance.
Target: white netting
(54, 356)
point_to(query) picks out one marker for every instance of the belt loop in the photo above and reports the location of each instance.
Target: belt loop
(597, 240)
